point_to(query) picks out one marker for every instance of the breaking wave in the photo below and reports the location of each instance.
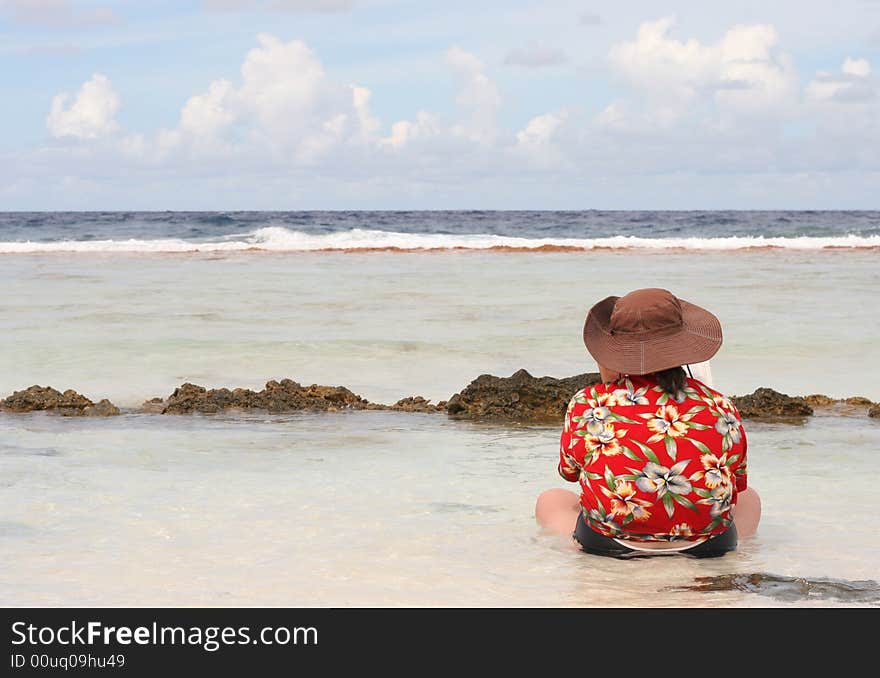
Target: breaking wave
(279, 239)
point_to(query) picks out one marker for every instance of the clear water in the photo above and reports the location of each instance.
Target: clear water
(382, 508)
(387, 325)
(375, 508)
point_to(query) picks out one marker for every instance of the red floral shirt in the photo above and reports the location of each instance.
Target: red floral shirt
(653, 467)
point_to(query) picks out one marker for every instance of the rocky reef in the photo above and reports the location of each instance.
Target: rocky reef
(820, 400)
(527, 399)
(68, 404)
(518, 398)
(418, 404)
(277, 397)
(767, 403)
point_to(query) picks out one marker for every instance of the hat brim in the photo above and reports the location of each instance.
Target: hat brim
(698, 340)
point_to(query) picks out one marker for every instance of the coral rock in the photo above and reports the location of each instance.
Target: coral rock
(276, 398)
(69, 403)
(518, 398)
(765, 402)
(418, 404)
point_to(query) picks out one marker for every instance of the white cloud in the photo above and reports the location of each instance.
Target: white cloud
(403, 133)
(479, 101)
(56, 13)
(858, 67)
(535, 56)
(540, 130)
(91, 114)
(479, 97)
(285, 110)
(612, 117)
(752, 77)
(654, 62)
(368, 126)
(544, 139)
(208, 114)
(741, 73)
(286, 127)
(853, 84)
(325, 6)
(285, 104)
(826, 87)
(283, 85)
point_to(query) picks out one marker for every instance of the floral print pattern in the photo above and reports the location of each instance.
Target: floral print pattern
(654, 466)
(630, 395)
(625, 504)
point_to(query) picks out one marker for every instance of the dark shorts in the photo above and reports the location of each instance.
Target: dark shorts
(600, 545)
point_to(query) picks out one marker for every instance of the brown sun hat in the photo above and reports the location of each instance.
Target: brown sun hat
(649, 330)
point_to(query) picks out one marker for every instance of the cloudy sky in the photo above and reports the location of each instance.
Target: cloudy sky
(386, 104)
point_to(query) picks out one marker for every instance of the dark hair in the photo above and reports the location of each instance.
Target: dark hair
(672, 380)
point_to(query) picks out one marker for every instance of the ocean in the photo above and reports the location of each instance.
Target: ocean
(393, 508)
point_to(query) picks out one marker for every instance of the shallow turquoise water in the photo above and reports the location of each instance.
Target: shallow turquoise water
(378, 508)
(391, 325)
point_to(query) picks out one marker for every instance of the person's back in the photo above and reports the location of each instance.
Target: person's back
(660, 457)
(654, 466)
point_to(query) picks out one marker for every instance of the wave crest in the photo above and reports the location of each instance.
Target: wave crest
(279, 239)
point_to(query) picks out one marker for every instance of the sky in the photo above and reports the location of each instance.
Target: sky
(386, 104)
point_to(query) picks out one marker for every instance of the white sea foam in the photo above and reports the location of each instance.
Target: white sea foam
(279, 239)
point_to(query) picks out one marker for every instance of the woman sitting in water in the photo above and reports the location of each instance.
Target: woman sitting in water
(660, 456)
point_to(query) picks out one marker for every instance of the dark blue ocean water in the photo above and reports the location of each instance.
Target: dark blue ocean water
(48, 227)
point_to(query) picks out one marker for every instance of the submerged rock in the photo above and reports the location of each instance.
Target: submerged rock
(153, 406)
(819, 400)
(276, 398)
(289, 396)
(418, 404)
(765, 402)
(786, 588)
(854, 406)
(519, 397)
(102, 409)
(45, 398)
